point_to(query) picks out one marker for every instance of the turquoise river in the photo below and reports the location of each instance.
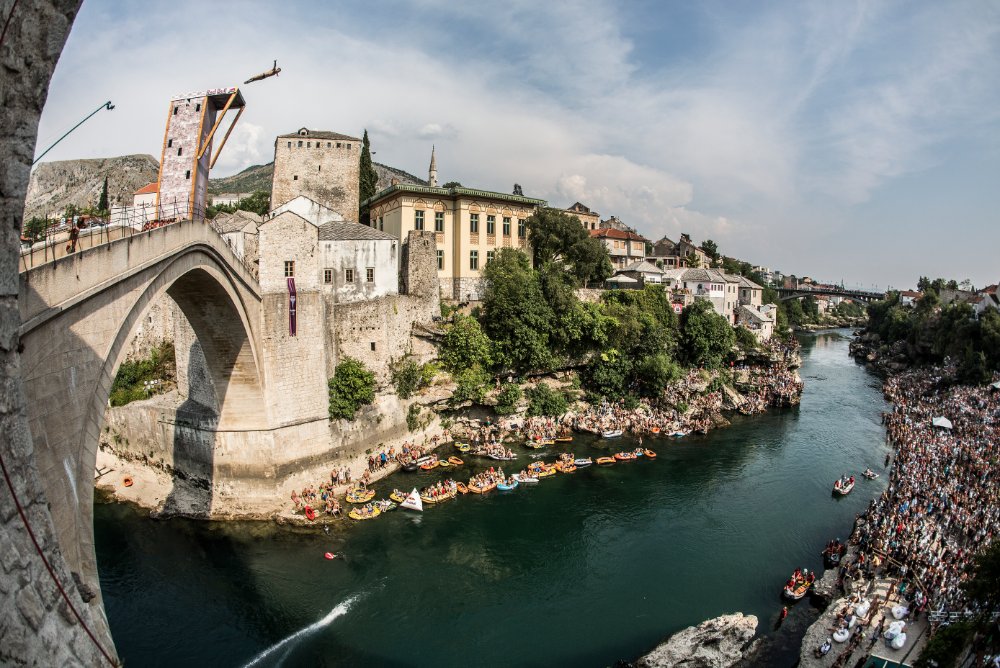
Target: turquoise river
(580, 570)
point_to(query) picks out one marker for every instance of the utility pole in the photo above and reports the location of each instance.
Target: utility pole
(107, 105)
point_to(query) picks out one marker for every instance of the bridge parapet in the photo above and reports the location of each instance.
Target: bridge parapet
(52, 286)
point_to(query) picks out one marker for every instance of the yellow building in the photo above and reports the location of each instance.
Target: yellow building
(470, 226)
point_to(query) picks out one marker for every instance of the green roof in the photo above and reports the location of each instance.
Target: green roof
(450, 192)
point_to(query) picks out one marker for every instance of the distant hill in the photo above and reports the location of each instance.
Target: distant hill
(55, 185)
(258, 177)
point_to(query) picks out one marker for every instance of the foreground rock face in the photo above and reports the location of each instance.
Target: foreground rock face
(716, 643)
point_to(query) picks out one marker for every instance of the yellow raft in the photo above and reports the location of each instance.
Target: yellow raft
(356, 514)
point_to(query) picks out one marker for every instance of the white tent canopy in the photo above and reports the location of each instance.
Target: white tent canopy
(941, 422)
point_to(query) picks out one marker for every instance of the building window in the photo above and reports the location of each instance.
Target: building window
(381, 223)
(300, 144)
(328, 275)
(474, 260)
(418, 220)
(348, 275)
(179, 149)
(289, 144)
(440, 257)
(489, 256)
(187, 174)
(197, 107)
(295, 178)
(474, 223)
(506, 226)
(289, 268)
(348, 147)
(170, 143)
(319, 168)
(439, 221)
(309, 144)
(370, 274)
(338, 144)
(175, 110)
(521, 228)
(329, 144)
(373, 346)
(491, 224)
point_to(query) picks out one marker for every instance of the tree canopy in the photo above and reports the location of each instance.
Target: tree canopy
(557, 237)
(706, 337)
(351, 387)
(367, 176)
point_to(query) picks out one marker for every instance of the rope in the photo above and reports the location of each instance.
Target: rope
(48, 566)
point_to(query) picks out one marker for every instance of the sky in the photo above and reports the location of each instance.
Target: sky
(849, 141)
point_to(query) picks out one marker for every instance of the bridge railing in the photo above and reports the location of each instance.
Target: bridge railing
(126, 222)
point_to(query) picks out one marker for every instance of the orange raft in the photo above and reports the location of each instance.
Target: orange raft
(455, 461)
(127, 481)
(649, 453)
(605, 460)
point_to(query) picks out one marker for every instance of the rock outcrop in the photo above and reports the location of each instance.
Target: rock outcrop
(716, 643)
(56, 185)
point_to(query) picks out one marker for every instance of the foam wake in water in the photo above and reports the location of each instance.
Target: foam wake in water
(339, 610)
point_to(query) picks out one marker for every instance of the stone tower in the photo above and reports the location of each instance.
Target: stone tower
(323, 166)
(192, 121)
(418, 272)
(432, 172)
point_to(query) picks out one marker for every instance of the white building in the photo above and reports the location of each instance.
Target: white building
(358, 262)
(645, 271)
(313, 211)
(759, 322)
(712, 284)
(239, 230)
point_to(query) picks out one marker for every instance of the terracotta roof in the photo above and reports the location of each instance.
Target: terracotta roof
(611, 233)
(145, 190)
(909, 293)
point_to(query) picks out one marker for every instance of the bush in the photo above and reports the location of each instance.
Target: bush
(351, 387)
(543, 400)
(508, 398)
(656, 372)
(406, 378)
(745, 339)
(413, 417)
(945, 646)
(607, 375)
(129, 384)
(427, 373)
(471, 385)
(465, 345)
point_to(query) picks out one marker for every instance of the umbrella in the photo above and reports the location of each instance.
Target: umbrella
(941, 422)
(996, 385)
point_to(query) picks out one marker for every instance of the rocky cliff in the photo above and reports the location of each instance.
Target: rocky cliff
(258, 177)
(56, 185)
(716, 643)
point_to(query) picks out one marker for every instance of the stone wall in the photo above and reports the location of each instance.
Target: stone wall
(37, 627)
(157, 327)
(325, 170)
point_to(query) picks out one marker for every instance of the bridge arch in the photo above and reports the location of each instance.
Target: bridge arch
(73, 348)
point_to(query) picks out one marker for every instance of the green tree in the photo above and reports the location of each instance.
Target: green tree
(470, 385)
(351, 387)
(693, 261)
(465, 345)
(706, 337)
(608, 375)
(507, 399)
(367, 176)
(452, 184)
(406, 377)
(102, 204)
(711, 249)
(515, 314)
(543, 400)
(35, 229)
(557, 237)
(945, 646)
(656, 372)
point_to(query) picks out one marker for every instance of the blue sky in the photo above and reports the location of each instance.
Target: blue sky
(855, 141)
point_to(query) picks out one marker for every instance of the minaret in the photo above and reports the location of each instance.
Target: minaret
(432, 173)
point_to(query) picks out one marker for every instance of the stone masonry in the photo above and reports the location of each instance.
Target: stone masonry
(324, 166)
(38, 626)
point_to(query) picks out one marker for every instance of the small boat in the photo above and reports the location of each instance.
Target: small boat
(502, 459)
(565, 468)
(605, 461)
(564, 439)
(413, 501)
(548, 441)
(526, 479)
(843, 487)
(580, 463)
(397, 496)
(433, 464)
(655, 430)
(649, 453)
(625, 456)
(614, 433)
(310, 513)
(463, 447)
(411, 467)
(462, 489)
(831, 558)
(504, 487)
(357, 514)
(360, 495)
(476, 489)
(679, 433)
(546, 472)
(385, 505)
(444, 496)
(426, 459)
(798, 590)
(444, 463)
(455, 461)
(534, 445)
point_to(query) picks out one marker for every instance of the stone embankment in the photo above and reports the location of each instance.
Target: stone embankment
(833, 322)
(715, 643)
(880, 357)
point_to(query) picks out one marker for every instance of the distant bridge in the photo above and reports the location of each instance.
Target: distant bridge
(784, 294)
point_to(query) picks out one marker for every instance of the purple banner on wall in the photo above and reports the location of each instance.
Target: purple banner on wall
(291, 306)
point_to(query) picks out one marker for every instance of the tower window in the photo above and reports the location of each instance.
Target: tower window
(439, 221)
(170, 143)
(295, 178)
(328, 276)
(329, 144)
(338, 144)
(175, 110)
(289, 268)
(179, 149)
(197, 107)
(418, 220)
(348, 147)
(309, 144)
(319, 168)
(187, 174)
(289, 144)
(373, 346)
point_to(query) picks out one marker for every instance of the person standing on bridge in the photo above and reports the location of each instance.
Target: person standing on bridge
(74, 234)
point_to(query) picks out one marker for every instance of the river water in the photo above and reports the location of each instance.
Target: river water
(579, 570)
